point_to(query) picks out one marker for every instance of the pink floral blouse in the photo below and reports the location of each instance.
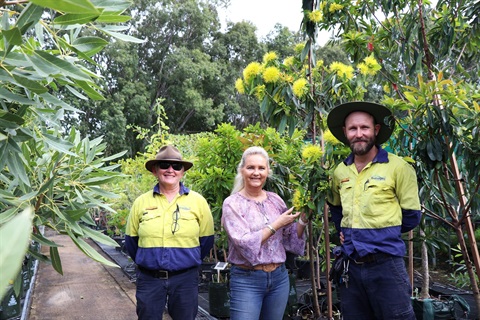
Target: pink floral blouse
(244, 219)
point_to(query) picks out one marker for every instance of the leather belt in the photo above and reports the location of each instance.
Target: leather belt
(163, 274)
(269, 267)
(371, 258)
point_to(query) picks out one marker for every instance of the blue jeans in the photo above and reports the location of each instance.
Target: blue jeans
(181, 290)
(377, 290)
(257, 294)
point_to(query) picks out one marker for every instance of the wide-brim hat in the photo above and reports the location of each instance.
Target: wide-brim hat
(168, 154)
(382, 115)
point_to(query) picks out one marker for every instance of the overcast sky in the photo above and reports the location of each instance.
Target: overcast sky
(264, 14)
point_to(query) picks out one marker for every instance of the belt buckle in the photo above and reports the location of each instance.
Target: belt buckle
(162, 274)
(269, 267)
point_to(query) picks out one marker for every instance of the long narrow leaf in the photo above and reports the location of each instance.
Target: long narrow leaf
(14, 240)
(72, 6)
(90, 252)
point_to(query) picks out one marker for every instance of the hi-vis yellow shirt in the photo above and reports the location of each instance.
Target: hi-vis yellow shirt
(374, 206)
(162, 235)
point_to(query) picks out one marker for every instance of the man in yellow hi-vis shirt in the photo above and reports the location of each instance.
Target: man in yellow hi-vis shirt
(374, 200)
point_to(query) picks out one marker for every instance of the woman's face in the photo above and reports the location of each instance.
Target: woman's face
(168, 177)
(255, 171)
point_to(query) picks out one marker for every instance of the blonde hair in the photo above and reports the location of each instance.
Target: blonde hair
(238, 183)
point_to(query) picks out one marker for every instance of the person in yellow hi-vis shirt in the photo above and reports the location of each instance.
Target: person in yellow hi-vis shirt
(374, 200)
(169, 231)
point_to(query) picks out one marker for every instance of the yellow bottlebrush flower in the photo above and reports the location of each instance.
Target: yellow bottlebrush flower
(299, 201)
(260, 92)
(251, 71)
(372, 66)
(312, 153)
(289, 61)
(329, 138)
(335, 7)
(315, 16)
(323, 4)
(300, 87)
(299, 48)
(363, 68)
(286, 77)
(386, 88)
(269, 56)
(271, 75)
(239, 86)
(342, 70)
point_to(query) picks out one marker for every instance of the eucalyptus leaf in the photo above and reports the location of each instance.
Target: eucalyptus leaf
(71, 6)
(71, 18)
(89, 251)
(14, 241)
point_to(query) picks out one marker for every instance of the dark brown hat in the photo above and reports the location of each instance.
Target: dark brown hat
(383, 116)
(168, 154)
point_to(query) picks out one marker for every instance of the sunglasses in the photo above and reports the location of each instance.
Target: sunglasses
(175, 166)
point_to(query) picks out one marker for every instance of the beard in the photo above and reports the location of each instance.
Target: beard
(360, 149)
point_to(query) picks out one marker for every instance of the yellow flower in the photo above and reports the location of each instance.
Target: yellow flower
(386, 88)
(363, 68)
(342, 70)
(312, 153)
(315, 16)
(251, 71)
(299, 48)
(260, 92)
(289, 61)
(300, 88)
(269, 56)
(271, 75)
(329, 138)
(286, 77)
(335, 7)
(239, 86)
(370, 67)
(298, 200)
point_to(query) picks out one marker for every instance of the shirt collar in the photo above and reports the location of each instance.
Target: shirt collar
(381, 157)
(183, 189)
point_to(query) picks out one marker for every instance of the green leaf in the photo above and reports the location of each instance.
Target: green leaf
(14, 241)
(12, 36)
(112, 5)
(55, 259)
(33, 86)
(89, 251)
(99, 237)
(89, 45)
(44, 241)
(124, 37)
(7, 215)
(94, 95)
(112, 18)
(29, 17)
(58, 144)
(70, 18)
(48, 64)
(11, 97)
(17, 168)
(71, 6)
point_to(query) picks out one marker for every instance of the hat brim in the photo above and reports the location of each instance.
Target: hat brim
(382, 115)
(186, 164)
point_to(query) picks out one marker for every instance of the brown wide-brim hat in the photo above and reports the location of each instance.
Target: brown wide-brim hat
(383, 116)
(168, 154)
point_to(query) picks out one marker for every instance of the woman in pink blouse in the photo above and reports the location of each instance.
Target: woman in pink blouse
(260, 230)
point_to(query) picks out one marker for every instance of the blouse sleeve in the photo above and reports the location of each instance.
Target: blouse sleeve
(245, 240)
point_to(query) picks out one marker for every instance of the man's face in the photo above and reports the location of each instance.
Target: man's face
(361, 131)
